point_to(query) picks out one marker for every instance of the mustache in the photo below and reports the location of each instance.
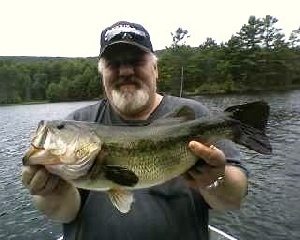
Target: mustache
(126, 80)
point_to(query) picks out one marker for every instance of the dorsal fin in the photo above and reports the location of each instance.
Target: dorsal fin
(179, 115)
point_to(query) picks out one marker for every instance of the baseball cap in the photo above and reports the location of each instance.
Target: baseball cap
(126, 33)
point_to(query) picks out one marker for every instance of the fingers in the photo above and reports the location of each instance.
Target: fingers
(203, 176)
(200, 177)
(206, 174)
(211, 155)
(28, 173)
(39, 181)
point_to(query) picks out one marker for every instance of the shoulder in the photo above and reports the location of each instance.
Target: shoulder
(87, 113)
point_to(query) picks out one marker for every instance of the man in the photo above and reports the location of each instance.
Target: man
(177, 209)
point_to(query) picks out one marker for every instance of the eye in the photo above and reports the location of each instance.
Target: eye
(112, 64)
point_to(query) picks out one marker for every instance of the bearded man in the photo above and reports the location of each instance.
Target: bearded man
(177, 209)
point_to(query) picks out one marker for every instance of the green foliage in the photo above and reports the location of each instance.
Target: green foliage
(11, 76)
(294, 39)
(250, 34)
(179, 37)
(48, 79)
(271, 36)
(54, 92)
(256, 58)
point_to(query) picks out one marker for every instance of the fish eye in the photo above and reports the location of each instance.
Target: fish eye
(60, 126)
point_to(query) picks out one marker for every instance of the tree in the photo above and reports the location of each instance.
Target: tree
(10, 78)
(39, 86)
(209, 44)
(179, 37)
(294, 38)
(250, 34)
(54, 92)
(173, 61)
(256, 57)
(271, 36)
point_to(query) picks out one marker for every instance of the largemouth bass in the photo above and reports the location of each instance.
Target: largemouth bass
(118, 159)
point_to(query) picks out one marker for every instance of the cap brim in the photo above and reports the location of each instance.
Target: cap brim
(123, 42)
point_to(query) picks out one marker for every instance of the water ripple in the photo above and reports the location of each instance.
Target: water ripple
(270, 211)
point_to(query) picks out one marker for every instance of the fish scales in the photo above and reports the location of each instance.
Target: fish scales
(155, 160)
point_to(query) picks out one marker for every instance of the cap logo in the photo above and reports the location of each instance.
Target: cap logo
(125, 29)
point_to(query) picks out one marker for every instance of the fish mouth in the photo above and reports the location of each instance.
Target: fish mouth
(37, 153)
(39, 156)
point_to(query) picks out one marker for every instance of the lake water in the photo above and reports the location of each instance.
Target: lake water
(270, 211)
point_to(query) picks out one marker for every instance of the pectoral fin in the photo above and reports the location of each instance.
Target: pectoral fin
(120, 175)
(121, 199)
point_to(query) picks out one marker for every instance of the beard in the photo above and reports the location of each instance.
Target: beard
(130, 100)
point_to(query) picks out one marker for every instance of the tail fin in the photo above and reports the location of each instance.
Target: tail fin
(254, 118)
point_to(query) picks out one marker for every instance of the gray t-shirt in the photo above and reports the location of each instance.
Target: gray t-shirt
(168, 211)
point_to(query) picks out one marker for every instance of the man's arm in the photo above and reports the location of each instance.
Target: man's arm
(229, 193)
(55, 197)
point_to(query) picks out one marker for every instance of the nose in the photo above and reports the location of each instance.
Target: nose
(126, 70)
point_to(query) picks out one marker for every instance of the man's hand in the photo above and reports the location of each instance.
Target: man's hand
(55, 197)
(214, 167)
(222, 186)
(39, 181)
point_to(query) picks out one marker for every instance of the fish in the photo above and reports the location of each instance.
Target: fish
(120, 159)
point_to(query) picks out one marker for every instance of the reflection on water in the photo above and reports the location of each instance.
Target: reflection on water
(270, 211)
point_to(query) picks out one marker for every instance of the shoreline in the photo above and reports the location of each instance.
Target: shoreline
(184, 94)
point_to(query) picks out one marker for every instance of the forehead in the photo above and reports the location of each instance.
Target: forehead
(122, 50)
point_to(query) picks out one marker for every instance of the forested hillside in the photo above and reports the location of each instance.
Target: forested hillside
(258, 57)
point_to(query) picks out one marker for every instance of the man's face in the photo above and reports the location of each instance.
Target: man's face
(129, 78)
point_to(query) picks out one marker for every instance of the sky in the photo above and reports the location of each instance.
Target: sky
(71, 28)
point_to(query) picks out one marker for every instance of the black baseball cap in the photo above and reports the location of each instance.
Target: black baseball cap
(126, 33)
